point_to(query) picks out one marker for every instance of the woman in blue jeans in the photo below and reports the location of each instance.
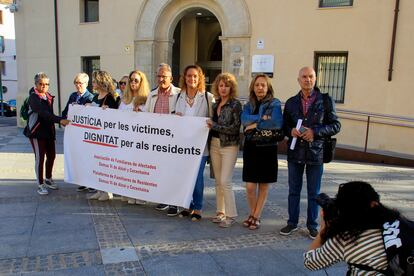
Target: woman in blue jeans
(193, 100)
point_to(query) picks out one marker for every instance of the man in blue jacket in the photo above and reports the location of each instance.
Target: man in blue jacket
(81, 96)
(319, 121)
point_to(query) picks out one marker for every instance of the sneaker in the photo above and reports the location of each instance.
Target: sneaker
(287, 230)
(50, 184)
(312, 233)
(195, 217)
(219, 218)
(162, 207)
(172, 211)
(228, 222)
(82, 189)
(124, 198)
(91, 190)
(185, 213)
(105, 196)
(42, 190)
(95, 196)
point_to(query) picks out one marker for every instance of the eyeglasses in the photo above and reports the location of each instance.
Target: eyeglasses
(122, 83)
(43, 84)
(78, 82)
(163, 77)
(134, 80)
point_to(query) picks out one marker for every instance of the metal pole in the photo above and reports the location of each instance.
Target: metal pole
(1, 93)
(366, 135)
(394, 34)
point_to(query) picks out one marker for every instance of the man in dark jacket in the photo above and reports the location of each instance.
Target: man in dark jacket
(317, 124)
(81, 96)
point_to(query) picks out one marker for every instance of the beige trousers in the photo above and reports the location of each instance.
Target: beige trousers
(223, 160)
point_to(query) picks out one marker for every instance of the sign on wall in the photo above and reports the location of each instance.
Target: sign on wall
(263, 64)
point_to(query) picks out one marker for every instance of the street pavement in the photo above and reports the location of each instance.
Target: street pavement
(64, 233)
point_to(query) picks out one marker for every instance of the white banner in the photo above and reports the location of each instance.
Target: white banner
(153, 157)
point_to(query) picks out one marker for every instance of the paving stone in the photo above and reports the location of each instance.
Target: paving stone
(54, 262)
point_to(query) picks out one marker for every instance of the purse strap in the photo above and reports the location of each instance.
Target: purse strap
(326, 109)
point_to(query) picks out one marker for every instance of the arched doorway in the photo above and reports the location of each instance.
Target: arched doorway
(158, 20)
(197, 41)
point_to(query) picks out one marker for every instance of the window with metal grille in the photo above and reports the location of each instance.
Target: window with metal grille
(335, 3)
(330, 70)
(90, 64)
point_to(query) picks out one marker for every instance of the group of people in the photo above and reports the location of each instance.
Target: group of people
(225, 116)
(351, 231)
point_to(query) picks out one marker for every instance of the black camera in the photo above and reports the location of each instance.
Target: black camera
(328, 206)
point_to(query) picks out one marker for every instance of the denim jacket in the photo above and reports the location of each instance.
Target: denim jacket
(271, 108)
(228, 122)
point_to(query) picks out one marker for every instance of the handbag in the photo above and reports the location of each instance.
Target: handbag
(329, 144)
(329, 149)
(264, 137)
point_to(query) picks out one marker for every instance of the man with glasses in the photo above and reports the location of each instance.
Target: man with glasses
(81, 96)
(162, 100)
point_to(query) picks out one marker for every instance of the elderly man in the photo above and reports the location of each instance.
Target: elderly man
(318, 122)
(80, 96)
(162, 100)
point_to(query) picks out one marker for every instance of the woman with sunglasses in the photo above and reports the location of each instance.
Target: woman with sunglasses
(134, 99)
(104, 86)
(40, 130)
(122, 86)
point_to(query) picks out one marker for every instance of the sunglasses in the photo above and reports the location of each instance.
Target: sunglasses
(43, 84)
(134, 80)
(122, 83)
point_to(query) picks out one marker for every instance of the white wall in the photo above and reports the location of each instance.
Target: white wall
(7, 30)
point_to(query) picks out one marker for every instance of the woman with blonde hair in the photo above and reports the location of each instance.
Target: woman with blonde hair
(224, 145)
(136, 92)
(103, 84)
(134, 99)
(105, 88)
(122, 85)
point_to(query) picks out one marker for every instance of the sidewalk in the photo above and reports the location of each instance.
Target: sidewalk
(65, 234)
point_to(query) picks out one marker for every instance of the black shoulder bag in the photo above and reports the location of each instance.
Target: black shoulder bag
(329, 144)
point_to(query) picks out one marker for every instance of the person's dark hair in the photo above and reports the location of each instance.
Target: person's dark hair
(358, 209)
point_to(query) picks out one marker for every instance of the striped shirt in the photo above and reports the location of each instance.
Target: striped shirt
(368, 250)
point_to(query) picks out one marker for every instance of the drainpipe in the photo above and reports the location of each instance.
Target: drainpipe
(57, 56)
(394, 34)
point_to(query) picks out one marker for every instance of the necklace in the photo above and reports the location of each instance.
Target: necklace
(189, 100)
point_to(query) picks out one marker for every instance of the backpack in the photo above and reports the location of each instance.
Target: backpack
(398, 239)
(25, 110)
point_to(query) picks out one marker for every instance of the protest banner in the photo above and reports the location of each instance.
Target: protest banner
(152, 157)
